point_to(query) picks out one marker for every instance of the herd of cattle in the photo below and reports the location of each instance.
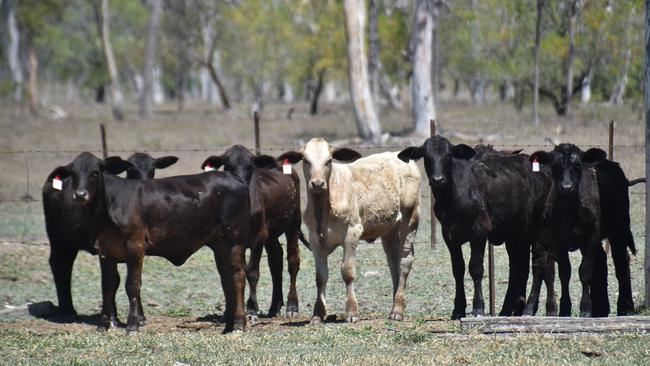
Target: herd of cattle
(546, 204)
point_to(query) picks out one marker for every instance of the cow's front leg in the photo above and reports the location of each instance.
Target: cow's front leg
(322, 274)
(133, 285)
(349, 272)
(253, 275)
(61, 261)
(564, 270)
(598, 281)
(458, 269)
(274, 256)
(293, 262)
(476, 271)
(110, 283)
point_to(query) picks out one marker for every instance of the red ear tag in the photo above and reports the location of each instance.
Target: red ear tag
(57, 183)
(208, 167)
(286, 167)
(535, 165)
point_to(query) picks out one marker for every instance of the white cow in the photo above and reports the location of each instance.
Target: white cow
(372, 197)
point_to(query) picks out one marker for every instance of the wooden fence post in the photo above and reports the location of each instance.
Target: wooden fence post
(432, 132)
(256, 120)
(646, 264)
(102, 131)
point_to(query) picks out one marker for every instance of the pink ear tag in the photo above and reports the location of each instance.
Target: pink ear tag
(208, 167)
(286, 167)
(535, 165)
(57, 183)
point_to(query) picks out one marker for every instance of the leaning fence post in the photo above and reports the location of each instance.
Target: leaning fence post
(432, 132)
(256, 121)
(610, 156)
(102, 132)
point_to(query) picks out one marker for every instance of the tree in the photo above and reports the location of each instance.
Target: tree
(364, 110)
(12, 47)
(538, 35)
(149, 59)
(422, 103)
(102, 15)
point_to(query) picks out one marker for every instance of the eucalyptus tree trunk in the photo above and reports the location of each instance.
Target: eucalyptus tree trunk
(572, 18)
(373, 54)
(619, 88)
(538, 36)
(364, 109)
(11, 46)
(422, 103)
(149, 59)
(32, 86)
(102, 16)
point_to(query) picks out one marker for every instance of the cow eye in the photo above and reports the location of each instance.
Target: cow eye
(306, 162)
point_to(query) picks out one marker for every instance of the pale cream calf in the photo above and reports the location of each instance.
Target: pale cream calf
(373, 197)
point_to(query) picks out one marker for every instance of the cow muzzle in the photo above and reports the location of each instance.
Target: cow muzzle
(437, 180)
(80, 196)
(317, 185)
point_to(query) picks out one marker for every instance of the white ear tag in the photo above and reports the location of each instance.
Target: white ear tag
(57, 183)
(535, 165)
(208, 168)
(286, 167)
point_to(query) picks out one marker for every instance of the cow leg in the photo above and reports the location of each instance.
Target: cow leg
(132, 286)
(625, 303)
(513, 279)
(598, 284)
(275, 257)
(322, 274)
(293, 262)
(390, 242)
(61, 261)
(458, 269)
(405, 261)
(349, 272)
(110, 283)
(585, 272)
(253, 275)
(476, 272)
(539, 266)
(549, 279)
(230, 264)
(564, 269)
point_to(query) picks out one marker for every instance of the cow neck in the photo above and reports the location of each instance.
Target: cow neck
(565, 213)
(101, 216)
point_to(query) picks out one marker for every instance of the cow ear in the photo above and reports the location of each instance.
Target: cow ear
(411, 153)
(293, 157)
(164, 162)
(115, 165)
(213, 161)
(62, 172)
(542, 157)
(594, 155)
(516, 151)
(265, 162)
(345, 154)
(462, 151)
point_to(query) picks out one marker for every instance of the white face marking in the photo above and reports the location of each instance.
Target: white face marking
(317, 163)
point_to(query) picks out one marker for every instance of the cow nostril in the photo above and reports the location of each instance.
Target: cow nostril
(438, 179)
(80, 195)
(566, 186)
(317, 184)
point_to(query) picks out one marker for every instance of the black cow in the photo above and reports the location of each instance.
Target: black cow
(575, 224)
(493, 198)
(68, 223)
(613, 188)
(275, 210)
(171, 218)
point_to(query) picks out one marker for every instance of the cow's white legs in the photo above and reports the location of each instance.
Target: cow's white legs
(349, 272)
(405, 261)
(322, 273)
(390, 242)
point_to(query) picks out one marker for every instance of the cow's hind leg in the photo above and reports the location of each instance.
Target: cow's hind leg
(293, 262)
(625, 303)
(253, 275)
(539, 266)
(549, 280)
(110, 283)
(349, 272)
(476, 271)
(598, 284)
(390, 242)
(230, 264)
(133, 285)
(518, 260)
(61, 261)
(275, 257)
(404, 262)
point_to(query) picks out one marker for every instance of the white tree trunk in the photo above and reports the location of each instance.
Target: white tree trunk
(585, 93)
(13, 49)
(619, 89)
(149, 59)
(422, 103)
(115, 93)
(538, 35)
(364, 109)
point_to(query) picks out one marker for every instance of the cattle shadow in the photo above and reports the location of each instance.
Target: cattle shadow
(212, 318)
(330, 319)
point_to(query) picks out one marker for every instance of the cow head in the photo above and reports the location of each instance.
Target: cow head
(240, 161)
(317, 156)
(566, 162)
(144, 165)
(437, 152)
(83, 176)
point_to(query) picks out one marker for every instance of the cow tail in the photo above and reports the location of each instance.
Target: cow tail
(304, 241)
(635, 181)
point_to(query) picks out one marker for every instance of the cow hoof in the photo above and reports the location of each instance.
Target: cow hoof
(142, 322)
(316, 319)
(585, 314)
(396, 317)
(292, 310)
(353, 319)
(457, 315)
(131, 330)
(292, 314)
(478, 312)
(253, 319)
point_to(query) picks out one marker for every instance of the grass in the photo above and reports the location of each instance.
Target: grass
(183, 303)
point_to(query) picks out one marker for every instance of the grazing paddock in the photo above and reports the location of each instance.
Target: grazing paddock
(185, 306)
